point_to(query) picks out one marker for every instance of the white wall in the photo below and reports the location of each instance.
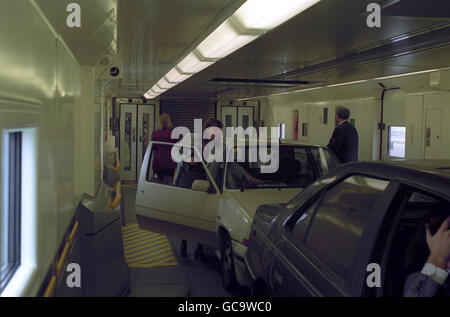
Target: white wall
(279, 109)
(401, 107)
(410, 110)
(41, 86)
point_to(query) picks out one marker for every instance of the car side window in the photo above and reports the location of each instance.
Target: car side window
(302, 221)
(332, 161)
(340, 220)
(317, 162)
(183, 174)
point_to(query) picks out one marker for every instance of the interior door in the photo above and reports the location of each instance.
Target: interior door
(174, 210)
(128, 138)
(432, 133)
(145, 126)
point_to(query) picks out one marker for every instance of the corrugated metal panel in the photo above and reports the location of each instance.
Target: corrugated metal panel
(183, 112)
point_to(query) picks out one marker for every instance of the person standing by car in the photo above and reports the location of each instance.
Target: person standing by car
(163, 165)
(344, 140)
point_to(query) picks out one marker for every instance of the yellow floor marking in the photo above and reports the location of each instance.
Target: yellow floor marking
(139, 235)
(165, 252)
(137, 246)
(147, 251)
(144, 248)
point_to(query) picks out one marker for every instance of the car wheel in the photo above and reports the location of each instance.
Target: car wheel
(227, 264)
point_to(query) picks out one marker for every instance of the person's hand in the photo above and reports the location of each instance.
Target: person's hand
(439, 245)
(251, 179)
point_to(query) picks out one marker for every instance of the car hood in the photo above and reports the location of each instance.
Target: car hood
(251, 199)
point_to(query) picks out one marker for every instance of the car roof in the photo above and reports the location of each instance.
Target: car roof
(436, 167)
(281, 143)
(431, 174)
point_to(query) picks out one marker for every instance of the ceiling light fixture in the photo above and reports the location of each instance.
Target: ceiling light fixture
(158, 89)
(165, 84)
(250, 21)
(177, 76)
(193, 63)
(348, 83)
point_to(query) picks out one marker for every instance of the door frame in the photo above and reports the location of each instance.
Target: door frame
(137, 127)
(136, 176)
(236, 108)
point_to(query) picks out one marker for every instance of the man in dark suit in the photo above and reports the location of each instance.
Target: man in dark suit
(344, 141)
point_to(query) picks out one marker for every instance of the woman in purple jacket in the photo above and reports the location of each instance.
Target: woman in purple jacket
(163, 165)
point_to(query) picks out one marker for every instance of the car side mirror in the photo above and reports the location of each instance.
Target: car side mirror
(200, 185)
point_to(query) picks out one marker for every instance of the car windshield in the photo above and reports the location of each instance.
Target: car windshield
(299, 166)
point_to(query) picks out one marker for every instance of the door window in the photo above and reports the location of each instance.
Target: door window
(126, 151)
(340, 220)
(162, 167)
(146, 133)
(397, 142)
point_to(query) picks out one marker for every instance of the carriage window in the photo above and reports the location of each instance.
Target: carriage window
(11, 207)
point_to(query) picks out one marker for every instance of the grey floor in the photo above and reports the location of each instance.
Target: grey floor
(170, 281)
(191, 278)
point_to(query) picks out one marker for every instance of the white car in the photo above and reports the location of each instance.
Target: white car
(215, 205)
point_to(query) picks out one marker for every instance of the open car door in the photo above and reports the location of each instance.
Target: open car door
(185, 208)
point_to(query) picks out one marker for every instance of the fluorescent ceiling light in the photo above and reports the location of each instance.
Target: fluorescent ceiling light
(223, 41)
(158, 90)
(408, 74)
(152, 93)
(348, 83)
(164, 83)
(175, 76)
(193, 64)
(251, 20)
(268, 14)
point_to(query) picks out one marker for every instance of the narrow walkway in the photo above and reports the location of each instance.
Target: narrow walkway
(154, 270)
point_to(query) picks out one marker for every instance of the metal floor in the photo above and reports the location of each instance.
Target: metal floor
(155, 271)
